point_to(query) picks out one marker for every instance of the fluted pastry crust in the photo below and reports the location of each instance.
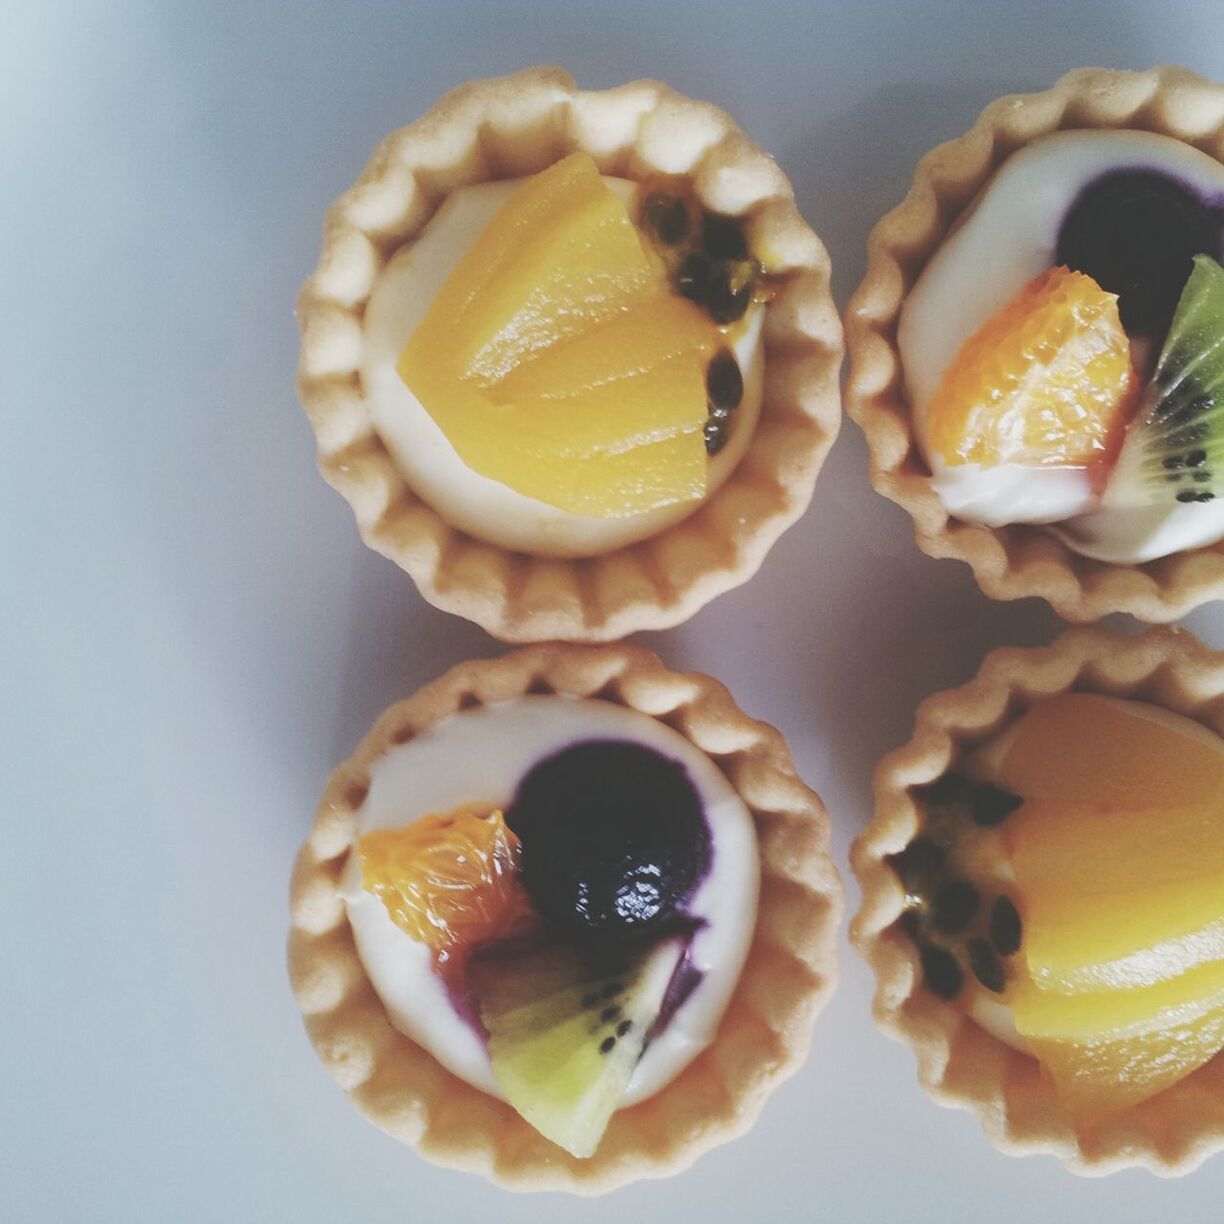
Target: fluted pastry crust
(1015, 561)
(959, 1063)
(517, 125)
(764, 1034)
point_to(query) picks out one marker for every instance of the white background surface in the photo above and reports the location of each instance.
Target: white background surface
(194, 635)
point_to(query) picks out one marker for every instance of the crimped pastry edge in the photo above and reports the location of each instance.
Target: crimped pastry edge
(1016, 561)
(959, 1064)
(764, 1034)
(516, 125)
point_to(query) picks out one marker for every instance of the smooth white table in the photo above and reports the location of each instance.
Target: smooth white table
(195, 635)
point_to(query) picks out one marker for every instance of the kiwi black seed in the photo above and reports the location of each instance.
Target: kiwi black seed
(610, 1013)
(917, 865)
(953, 906)
(991, 805)
(623, 1027)
(723, 238)
(1006, 928)
(605, 1046)
(693, 277)
(940, 971)
(667, 216)
(986, 966)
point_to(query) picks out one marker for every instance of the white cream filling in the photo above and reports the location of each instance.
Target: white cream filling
(482, 507)
(478, 757)
(1008, 238)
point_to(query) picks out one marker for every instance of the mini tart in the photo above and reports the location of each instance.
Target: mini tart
(764, 1033)
(959, 1063)
(1019, 560)
(515, 126)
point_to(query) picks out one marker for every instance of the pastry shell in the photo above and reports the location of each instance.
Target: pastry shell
(517, 125)
(959, 1063)
(1015, 561)
(764, 1033)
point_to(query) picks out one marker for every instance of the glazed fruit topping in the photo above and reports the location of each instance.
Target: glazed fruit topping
(1046, 381)
(1108, 944)
(1174, 451)
(558, 360)
(449, 881)
(1135, 233)
(614, 840)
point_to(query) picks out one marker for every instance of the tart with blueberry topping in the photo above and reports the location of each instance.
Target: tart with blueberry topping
(564, 919)
(1039, 346)
(1043, 900)
(571, 356)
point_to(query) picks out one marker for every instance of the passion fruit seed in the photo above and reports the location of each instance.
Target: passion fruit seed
(986, 966)
(723, 238)
(991, 805)
(726, 300)
(667, 216)
(693, 277)
(940, 971)
(953, 907)
(1006, 928)
(918, 864)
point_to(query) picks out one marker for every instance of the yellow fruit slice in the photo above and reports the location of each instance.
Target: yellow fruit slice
(1109, 1050)
(450, 880)
(1047, 380)
(558, 361)
(1085, 749)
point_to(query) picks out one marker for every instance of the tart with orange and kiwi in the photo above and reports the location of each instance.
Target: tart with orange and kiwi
(571, 355)
(564, 919)
(1043, 899)
(1036, 347)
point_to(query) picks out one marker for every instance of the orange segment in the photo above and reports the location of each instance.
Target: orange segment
(449, 881)
(558, 361)
(1047, 380)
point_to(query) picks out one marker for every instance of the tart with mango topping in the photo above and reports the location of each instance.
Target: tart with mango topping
(571, 356)
(1038, 346)
(1043, 899)
(564, 919)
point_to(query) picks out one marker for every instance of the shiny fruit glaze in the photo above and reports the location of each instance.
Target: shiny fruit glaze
(1046, 381)
(450, 881)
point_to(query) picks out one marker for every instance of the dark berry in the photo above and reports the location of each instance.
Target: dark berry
(1135, 233)
(724, 382)
(940, 972)
(1006, 929)
(723, 238)
(953, 906)
(667, 216)
(614, 839)
(991, 805)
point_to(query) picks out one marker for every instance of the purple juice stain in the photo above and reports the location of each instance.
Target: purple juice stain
(1135, 231)
(614, 842)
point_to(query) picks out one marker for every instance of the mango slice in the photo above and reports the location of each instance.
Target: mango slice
(558, 361)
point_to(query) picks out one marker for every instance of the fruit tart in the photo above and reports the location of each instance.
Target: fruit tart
(1043, 899)
(1038, 346)
(564, 919)
(571, 356)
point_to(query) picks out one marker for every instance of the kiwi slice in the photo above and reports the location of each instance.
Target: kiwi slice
(566, 1031)
(1174, 450)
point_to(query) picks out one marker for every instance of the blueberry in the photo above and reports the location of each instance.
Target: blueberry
(614, 839)
(1135, 233)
